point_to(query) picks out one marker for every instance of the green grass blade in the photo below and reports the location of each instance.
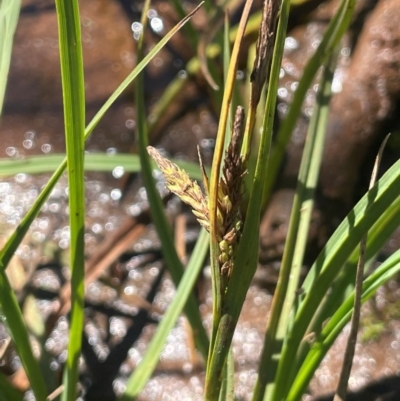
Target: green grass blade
(74, 120)
(15, 239)
(93, 162)
(336, 28)
(336, 324)
(158, 216)
(300, 217)
(143, 372)
(9, 13)
(387, 223)
(20, 337)
(331, 260)
(312, 162)
(228, 382)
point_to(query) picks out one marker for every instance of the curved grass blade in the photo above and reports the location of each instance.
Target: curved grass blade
(143, 372)
(387, 223)
(329, 263)
(341, 389)
(336, 324)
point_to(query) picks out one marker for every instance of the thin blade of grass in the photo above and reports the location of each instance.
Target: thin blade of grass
(330, 261)
(341, 390)
(143, 372)
(336, 324)
(318, 126)
(300, 217)
(74, 120)
(227, 385)
(138, 69)
(387, 223)
(226, 57)
(237, 98)
(19, 334)
(157, 210)
(93, 162)
(9, 14)
(335, 30)
(228, 382)
(16, 237)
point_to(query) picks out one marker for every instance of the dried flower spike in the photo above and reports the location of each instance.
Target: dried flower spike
(179, 183)
(230, 196)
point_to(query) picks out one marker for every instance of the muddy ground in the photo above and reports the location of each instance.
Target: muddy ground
(128, 289)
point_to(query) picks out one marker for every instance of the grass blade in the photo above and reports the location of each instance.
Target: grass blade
(336, 324)
(74, 120)
(20, 337)
(9, 13)
(341, 390)
(142, 373)
(93, 162)
(387, 223)
(332, 258)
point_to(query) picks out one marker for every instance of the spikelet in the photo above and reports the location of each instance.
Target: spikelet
(230, 196)
(179, 183)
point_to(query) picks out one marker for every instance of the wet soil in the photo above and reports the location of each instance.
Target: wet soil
(128, 292)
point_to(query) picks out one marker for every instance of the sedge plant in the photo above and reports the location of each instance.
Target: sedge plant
(228, 206)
